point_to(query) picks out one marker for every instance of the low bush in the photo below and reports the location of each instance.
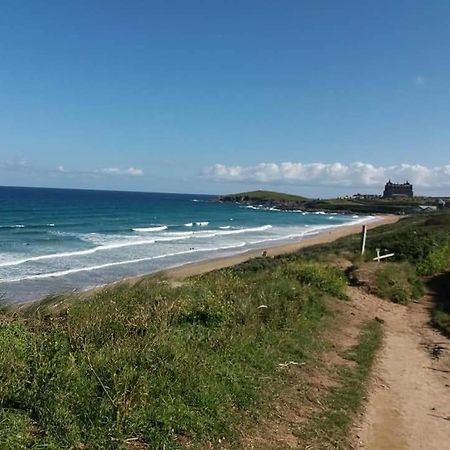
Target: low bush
(436, 261)
(398, 282)
(441, 311)
(329, 280)
(441, 318)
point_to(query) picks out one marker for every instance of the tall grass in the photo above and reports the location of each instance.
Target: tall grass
(398, 282)
(157, 366)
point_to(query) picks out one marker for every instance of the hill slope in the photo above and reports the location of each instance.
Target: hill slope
(263, 196)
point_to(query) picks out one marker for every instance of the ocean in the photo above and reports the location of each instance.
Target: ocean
(57, 240)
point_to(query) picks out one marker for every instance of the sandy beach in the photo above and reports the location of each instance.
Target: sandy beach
(178, 273)
(196, 268)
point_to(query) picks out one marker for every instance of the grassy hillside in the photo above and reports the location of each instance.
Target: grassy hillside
(417, 239)
(422, 249)
(151, 365)
(155, 366)
(363, 206)
(264, 196)
(380, 206)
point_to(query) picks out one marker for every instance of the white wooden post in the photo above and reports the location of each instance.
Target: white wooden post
(363, 239)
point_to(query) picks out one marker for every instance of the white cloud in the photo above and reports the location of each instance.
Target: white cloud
(16, 163)
(132, 171)
(108, 171)
(331, 174)
(135, 172)
(419, 80)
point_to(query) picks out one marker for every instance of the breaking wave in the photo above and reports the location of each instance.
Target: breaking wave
(150, 229)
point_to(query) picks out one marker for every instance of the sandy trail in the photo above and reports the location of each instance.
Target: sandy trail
(409, 404)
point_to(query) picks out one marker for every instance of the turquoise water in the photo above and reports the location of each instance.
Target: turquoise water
(54, 240)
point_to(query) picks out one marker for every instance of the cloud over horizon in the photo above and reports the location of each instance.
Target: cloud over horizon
(357, 174)
(131, 171)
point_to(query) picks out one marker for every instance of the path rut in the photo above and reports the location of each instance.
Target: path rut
(409, 402)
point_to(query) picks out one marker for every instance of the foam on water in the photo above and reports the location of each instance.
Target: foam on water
(127, 241)
(119, 263)
(150, 229)
(12, 226)
(57, 240)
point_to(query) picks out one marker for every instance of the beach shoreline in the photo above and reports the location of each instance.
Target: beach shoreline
(179, 272)
(209, 265)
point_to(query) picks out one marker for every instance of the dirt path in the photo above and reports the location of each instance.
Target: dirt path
(409, 404)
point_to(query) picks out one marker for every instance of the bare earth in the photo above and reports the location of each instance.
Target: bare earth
(409, 404)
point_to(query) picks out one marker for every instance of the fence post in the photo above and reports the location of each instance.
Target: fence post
(363, 239)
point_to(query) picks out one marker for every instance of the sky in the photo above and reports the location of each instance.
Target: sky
(319, 98)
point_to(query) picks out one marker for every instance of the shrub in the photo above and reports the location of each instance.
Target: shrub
(398, 282)
(329, 280)
(441, 318)
(436, 261)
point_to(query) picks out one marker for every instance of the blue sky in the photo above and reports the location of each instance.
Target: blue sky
(317, 97)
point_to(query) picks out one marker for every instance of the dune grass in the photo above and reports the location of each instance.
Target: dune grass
(155, 366)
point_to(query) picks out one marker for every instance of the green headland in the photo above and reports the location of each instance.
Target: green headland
(350, 204)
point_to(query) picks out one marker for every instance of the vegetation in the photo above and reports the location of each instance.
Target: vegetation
(398, 282)
(415, 239)
(150, 365)
(355, 205)
(440, 285)
(441, 316)
(372, 206)
(155, 365)
(421, 245)
(263, 196)
(330, 427)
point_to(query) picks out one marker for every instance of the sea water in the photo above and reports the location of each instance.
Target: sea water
(55, 240)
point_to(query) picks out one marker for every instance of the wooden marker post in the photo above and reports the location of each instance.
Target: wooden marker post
(380, 257)
(363, 239)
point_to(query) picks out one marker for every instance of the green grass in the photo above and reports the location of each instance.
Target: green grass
(265, 196)
(170, 366)
(330, 427)
(364, 206)
(398, 282)
(441, 318)
(441, 312)
(411, 239)
(158, 364)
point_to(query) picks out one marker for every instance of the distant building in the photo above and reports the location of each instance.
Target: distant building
(393, 190)
(426, 208)
(366, 197)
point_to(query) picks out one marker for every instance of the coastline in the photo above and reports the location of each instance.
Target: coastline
(200, 267)
(178, 273)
